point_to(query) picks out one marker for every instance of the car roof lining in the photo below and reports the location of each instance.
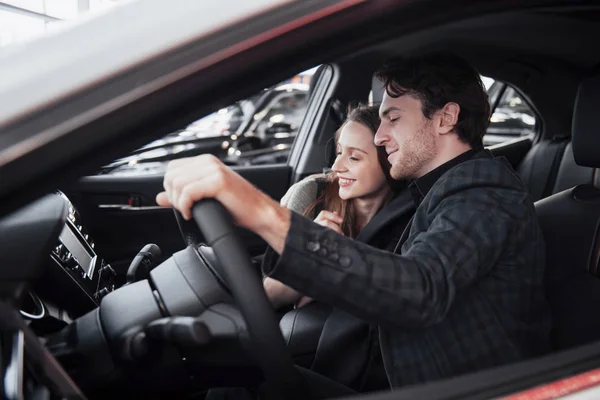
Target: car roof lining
(542, 53)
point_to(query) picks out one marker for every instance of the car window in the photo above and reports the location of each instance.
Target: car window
(257, 130)
(512, 116)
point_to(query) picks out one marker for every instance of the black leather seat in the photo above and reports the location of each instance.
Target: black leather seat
(549, 167)
(539, 167)
(569, 221)
(570, 174)
(301, 328)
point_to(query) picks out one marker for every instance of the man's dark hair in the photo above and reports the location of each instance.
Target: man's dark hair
(437, 79)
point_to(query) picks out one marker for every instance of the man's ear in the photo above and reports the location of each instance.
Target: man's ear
(448, 118)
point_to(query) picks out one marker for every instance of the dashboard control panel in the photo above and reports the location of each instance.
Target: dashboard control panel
(75, 253)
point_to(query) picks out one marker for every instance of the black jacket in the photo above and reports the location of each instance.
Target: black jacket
(466, 292)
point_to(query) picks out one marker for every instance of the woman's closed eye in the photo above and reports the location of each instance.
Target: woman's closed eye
(351, 157)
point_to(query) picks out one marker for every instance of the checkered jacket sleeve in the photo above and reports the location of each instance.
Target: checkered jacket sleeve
(462, 228)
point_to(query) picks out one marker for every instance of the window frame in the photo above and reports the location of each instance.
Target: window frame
(539, 122)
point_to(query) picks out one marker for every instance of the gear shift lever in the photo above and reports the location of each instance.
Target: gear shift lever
(143, 263)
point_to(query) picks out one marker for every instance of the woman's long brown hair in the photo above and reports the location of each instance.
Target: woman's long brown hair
(329, 198)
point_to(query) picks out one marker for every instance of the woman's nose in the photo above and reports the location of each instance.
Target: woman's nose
(338, 165)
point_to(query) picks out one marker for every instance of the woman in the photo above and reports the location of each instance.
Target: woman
(359, 199)
(347, 200)
(348, 197)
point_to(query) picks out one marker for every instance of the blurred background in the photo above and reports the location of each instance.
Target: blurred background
(21, 20)
(258, 130)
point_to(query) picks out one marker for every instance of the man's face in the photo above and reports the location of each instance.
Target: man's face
(409, 138)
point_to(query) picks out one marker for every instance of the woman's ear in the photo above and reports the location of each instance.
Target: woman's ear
(448, 118)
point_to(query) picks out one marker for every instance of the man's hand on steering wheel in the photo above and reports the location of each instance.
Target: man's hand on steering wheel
(190, 180)
(187, 182)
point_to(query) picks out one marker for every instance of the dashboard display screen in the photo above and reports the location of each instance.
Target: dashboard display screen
(73, 244)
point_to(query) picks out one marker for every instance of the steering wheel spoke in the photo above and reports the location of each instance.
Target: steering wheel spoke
(269, 349)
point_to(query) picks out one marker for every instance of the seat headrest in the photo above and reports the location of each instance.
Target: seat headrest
(586, 129)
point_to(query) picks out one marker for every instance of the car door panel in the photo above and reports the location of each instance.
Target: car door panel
(121, 215)
(498, 382)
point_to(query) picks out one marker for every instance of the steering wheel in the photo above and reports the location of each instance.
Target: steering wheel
(271, 353)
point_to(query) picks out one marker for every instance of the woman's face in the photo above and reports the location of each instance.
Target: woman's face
(356, 165)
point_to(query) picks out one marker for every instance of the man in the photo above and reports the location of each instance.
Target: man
(463, 290)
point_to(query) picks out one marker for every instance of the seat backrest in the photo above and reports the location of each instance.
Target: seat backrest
(569, 220)
(570, 174)
(549, 167)
(540, 165)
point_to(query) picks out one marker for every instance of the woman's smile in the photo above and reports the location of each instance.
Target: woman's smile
(345, 182)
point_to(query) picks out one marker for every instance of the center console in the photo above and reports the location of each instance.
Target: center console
(75, 258)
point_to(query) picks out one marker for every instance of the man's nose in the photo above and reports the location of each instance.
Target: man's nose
(380, 137)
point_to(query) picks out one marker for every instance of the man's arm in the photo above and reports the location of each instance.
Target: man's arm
(414, 289)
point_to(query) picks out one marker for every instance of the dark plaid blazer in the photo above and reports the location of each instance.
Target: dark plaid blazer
(463, 292)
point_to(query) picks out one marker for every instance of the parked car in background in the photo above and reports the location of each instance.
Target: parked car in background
(512, 116)
(257, 130)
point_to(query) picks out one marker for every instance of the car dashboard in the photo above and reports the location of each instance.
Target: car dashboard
(104, 336)
(74, 279)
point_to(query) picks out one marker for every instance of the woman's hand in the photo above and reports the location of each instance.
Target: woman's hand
(279, 294)
(331, 220)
